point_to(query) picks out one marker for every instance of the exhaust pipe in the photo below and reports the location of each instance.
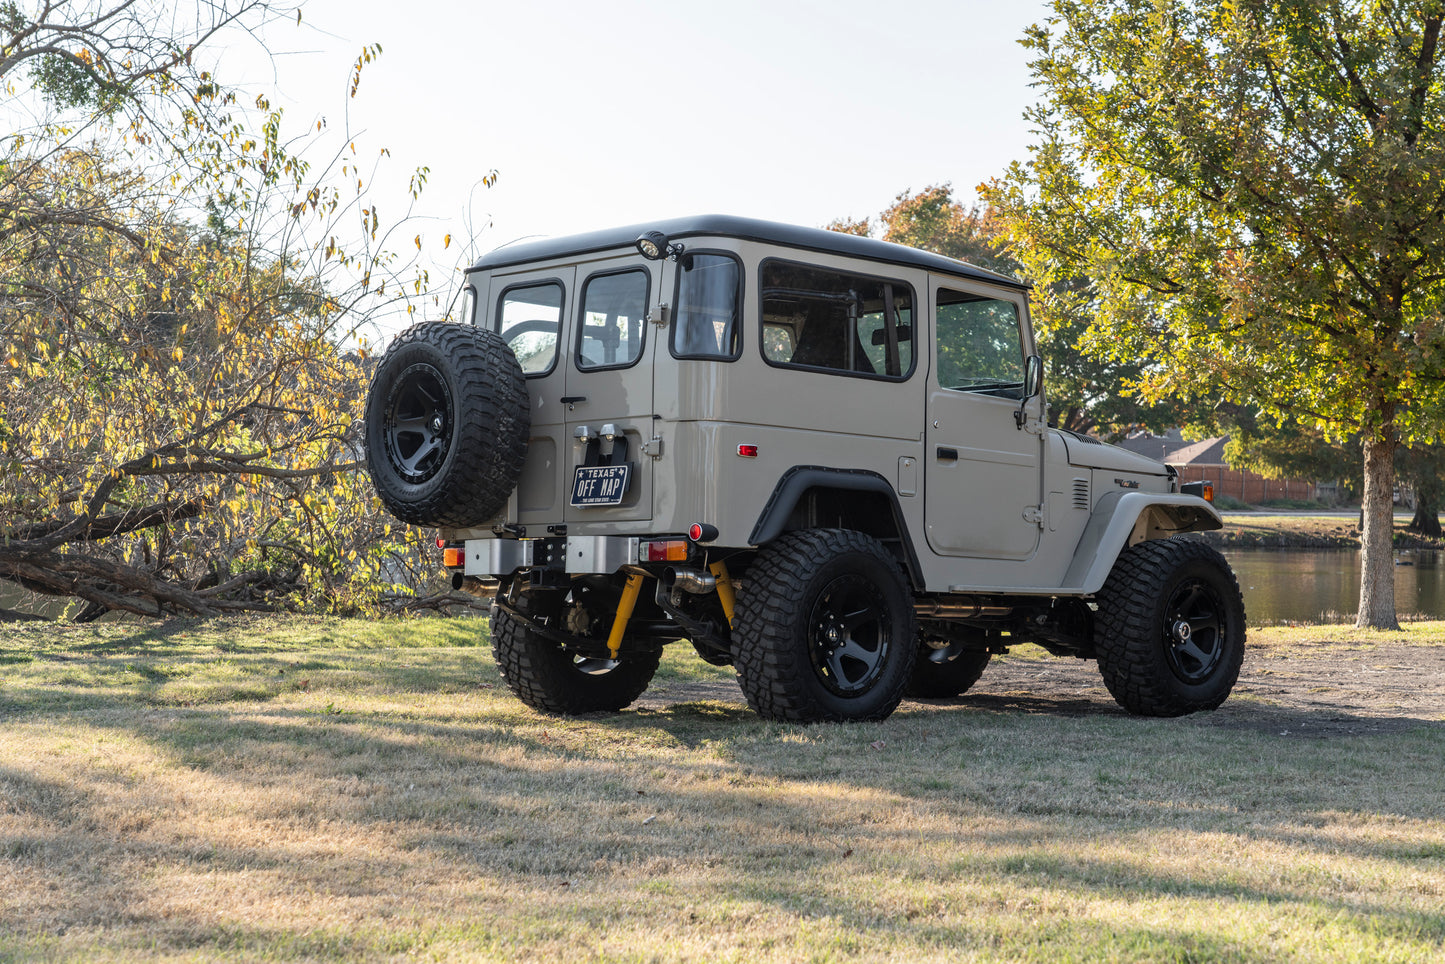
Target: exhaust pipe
(957, 607)
(695, 581)
(474, 586)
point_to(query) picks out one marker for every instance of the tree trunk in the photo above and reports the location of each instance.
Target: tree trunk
(1426, 520)
(1377, 565)
(1425, 466)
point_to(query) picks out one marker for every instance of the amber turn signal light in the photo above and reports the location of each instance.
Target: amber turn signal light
(1205, 490)
(673, 550)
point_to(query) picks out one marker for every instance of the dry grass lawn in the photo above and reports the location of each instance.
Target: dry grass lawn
(334, 790)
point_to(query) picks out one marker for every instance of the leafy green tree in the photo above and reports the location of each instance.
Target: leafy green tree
(1254, 190)
(1087, 392)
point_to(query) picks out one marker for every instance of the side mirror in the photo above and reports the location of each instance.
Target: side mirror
(1033, 387)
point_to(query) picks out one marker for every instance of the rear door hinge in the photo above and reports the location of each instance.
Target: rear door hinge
(1034, 514)
(658, 314)
(653, 447)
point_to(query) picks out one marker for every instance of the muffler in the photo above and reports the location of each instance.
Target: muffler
(694, 581)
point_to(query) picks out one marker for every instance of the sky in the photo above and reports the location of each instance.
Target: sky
(599, 114)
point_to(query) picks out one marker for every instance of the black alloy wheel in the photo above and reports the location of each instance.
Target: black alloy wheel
(1194, 630)
(850, 637)
(418, 423)
(447, 425)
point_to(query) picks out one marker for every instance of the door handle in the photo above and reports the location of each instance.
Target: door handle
(573, 399)
(947, 455)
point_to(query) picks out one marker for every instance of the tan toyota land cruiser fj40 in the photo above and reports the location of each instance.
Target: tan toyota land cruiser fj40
(820, 458)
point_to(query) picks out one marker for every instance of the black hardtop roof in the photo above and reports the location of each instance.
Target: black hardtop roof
(748, 229)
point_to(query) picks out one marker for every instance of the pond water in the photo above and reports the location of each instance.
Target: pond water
(1280, 585)
(1313, 585)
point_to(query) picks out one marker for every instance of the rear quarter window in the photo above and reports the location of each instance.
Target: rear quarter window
(823, 319)
(708, 321)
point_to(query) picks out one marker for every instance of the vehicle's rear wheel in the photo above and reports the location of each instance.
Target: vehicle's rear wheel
(549, 678)
(824, 629)
(447, 422)
(1169, 632)
(944, 672)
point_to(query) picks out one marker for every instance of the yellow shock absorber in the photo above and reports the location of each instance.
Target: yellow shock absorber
(724, 589)
(625, 606)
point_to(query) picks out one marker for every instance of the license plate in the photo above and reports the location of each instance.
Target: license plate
(600, 484)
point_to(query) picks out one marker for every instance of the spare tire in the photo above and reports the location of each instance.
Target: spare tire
(447, 422)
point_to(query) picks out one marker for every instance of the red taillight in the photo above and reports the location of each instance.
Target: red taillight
(673, 550)
(748, 451)
(454, 557)
(441, 543)
(702, 532)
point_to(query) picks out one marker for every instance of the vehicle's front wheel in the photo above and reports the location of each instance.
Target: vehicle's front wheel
(548, 678)
(1169, 632)
(824, 629)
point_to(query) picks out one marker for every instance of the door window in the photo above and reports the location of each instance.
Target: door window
(614, 320)
(528, 319)
(979, 349)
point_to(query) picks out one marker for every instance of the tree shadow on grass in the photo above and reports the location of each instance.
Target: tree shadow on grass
(991, 786)
(534, 806)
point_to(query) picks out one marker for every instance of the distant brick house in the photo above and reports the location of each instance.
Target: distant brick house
(1204, 460)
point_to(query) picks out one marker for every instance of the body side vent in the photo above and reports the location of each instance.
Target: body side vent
(1081, 494)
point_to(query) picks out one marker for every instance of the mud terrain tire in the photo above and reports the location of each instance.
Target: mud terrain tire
(1169, 632)
(447, 423)
(939, 675)
(551, 680)
(824, 629)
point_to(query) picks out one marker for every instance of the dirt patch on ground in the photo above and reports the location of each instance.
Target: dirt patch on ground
(1312, 689)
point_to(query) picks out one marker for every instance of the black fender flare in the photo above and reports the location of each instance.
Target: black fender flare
(795, 483)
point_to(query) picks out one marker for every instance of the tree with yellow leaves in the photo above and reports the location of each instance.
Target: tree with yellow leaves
(179, 301)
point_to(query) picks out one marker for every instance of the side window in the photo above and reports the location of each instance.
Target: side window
(614, 320)
(818, 318)
(528, 318)
(978, 344)
(708, 299)
(467, 305)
